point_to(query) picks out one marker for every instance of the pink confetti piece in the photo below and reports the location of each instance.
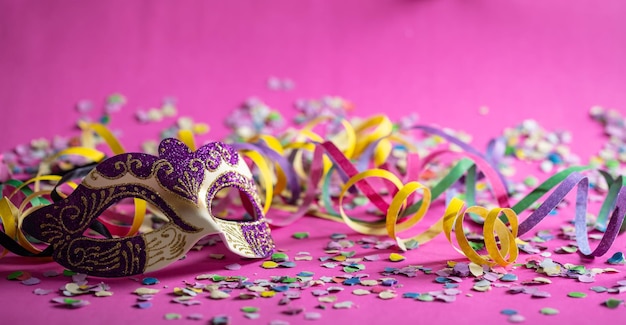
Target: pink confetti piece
(144, 304)
(278, 322)
(312, 316)
(343, 305)
(51, 273)
(446, 298)
(372, 258)
(79, 278)
(541, 294)
(195, 316)
(319, 292)
(42, 292)
(31, 281)
(252, 315)
(451, 292)
(233, 267)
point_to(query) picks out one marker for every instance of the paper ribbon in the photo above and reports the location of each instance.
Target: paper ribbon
(298, 172)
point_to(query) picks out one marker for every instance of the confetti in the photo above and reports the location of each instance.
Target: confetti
(613, 303)
(220, 320)
(549, 311)
(426, 297)
(195, 316)
(300, 235)
(516, 318)
(385, 295)
(269, 265)
(149, 281)
(312, 316)
(143, 304)
(15, 275)
(218, 294)
(509, 312)
(361, 292)
(343, 305)
(70, 302)
(31, 281)
(395, 257)
(41, 292)
(233, 267)
(146, 291)
(617, 258)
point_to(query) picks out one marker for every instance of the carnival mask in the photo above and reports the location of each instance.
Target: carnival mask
(180, 183)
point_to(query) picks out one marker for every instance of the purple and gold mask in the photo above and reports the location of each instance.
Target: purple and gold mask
(180, 183)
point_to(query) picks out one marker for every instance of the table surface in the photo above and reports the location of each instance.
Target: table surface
(443, 60)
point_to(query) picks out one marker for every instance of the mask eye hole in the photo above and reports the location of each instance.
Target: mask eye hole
(233, 204)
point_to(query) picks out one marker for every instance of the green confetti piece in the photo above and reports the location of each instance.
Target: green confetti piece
(425, 297)
(353, 268)
(68, 273)
(14, 275)
(580, 269)
(613, 303)
(300, 235)
(249, 309)
(280, 257)
(348, 254)
(275, 116)
(531, 181)
(69, 301)
(218, 278)
(172, 316)
(116, 99)
(576, 294)
(476, 246)
(411, 244)
(105, 119)
(612, 164)
(288, 279)
(360, 201)
(349, 269)
(549, 311)
(569, 249)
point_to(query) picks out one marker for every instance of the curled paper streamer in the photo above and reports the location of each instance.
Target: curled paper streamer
(297, 173)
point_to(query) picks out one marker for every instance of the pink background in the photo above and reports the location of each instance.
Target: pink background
(443, 59)
(440, 58)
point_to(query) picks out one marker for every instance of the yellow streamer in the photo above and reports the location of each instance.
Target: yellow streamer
(266, 176)
(186, 136)
(453, 219)
(358, 226)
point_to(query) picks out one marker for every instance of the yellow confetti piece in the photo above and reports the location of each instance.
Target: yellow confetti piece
(387, 295)
(145, 291)
(541, 279)
(339, 258)
(269, 265)
(395, 257)
(200, 128)
(257, 288)
(475, 269)
(218, 294)
(369, 283)
(268, 294)
(330, 298)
